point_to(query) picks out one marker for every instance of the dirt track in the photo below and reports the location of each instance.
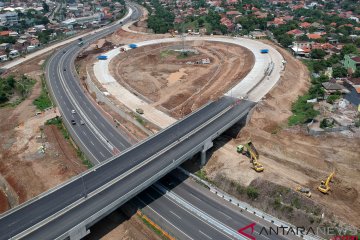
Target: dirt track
(167, 81)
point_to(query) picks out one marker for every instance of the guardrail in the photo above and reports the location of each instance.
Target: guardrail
(246, 207)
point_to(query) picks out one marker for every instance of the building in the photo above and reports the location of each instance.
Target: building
(351, 62)
(83, 20)
(9, 18)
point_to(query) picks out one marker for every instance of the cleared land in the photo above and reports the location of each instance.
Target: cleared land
(24, 170)
(170, 80)
(292, 158)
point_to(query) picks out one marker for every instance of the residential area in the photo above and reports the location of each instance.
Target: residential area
(26, 26)
(180, 119)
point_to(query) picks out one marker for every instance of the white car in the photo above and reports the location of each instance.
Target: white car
(82, 122)
(73, 111)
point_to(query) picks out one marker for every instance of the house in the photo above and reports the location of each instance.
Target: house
(351, 62)
(305, 25)
(5, 46)
(258, 34)
(4, 33)
(333, 88)
(313, 36)
(295, 32)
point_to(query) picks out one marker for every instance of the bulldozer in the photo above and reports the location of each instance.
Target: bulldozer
(249, 150)
(324, 185)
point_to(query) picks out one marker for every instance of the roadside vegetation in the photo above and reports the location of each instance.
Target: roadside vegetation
(57, 121)
(43, 101)
(13, 90)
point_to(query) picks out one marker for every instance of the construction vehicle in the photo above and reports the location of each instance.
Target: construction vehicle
(303, 190)
(250, 150)
(324, 186)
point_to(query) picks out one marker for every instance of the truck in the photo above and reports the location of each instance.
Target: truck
(264, 50)
(102, 57)
(133, 45)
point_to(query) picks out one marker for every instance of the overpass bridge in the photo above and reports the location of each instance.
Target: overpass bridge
(70, 209)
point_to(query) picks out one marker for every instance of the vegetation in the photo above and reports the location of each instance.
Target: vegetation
(57, 121)
(43, 101)
(162, 21)
(152, 227)
(339, 72)
(302, 111)
(333, 97)
(202, 175)
(10, 86)
(326, 123)
(252, 192)
(317, 54)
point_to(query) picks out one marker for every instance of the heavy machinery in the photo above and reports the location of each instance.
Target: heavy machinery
(324, 186)
(250, 150)
(303, 190)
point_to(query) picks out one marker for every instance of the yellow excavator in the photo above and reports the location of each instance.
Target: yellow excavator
(324, 186)
(250, 150)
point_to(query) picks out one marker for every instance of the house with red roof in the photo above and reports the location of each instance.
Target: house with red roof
(305, 25)
(295, 32)
(313, 36)
(227, 22)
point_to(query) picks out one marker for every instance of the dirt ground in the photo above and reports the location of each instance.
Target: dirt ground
(290, 156)
(158, 74)
(141, 25)
(24, 171)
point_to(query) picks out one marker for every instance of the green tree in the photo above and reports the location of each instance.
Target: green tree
(317, 54)
(356, 74)
(45, 6)
(339, 72)
(285, 40)
(349, 49)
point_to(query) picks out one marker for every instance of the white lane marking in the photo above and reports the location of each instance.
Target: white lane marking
(227, 216)
(205, 234)
(92, 143)
(164, 218)
(175, 214)
(102, 154)
(85, 133)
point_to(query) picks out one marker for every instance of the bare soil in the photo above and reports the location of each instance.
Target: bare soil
(166, 80)
(290, 156)
(23, 168)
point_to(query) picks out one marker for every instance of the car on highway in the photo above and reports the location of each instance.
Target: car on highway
(82, 122)
(73, 111)
(73, 122)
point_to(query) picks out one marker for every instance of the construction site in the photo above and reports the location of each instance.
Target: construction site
(304, 179)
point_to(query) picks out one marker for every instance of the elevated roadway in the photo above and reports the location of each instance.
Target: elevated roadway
(70, 209)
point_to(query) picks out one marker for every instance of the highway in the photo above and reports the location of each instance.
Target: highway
(114, 180)
(174, 216)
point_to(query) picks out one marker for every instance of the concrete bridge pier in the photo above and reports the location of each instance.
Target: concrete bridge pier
(78, 232)
(208, 144)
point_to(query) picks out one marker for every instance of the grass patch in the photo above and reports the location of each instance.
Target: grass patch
(252, 193)
(43, 101)
(57, 121)
(140, 120)
(202, 175)
(166, 53)
(183, 55)
(11, 85)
